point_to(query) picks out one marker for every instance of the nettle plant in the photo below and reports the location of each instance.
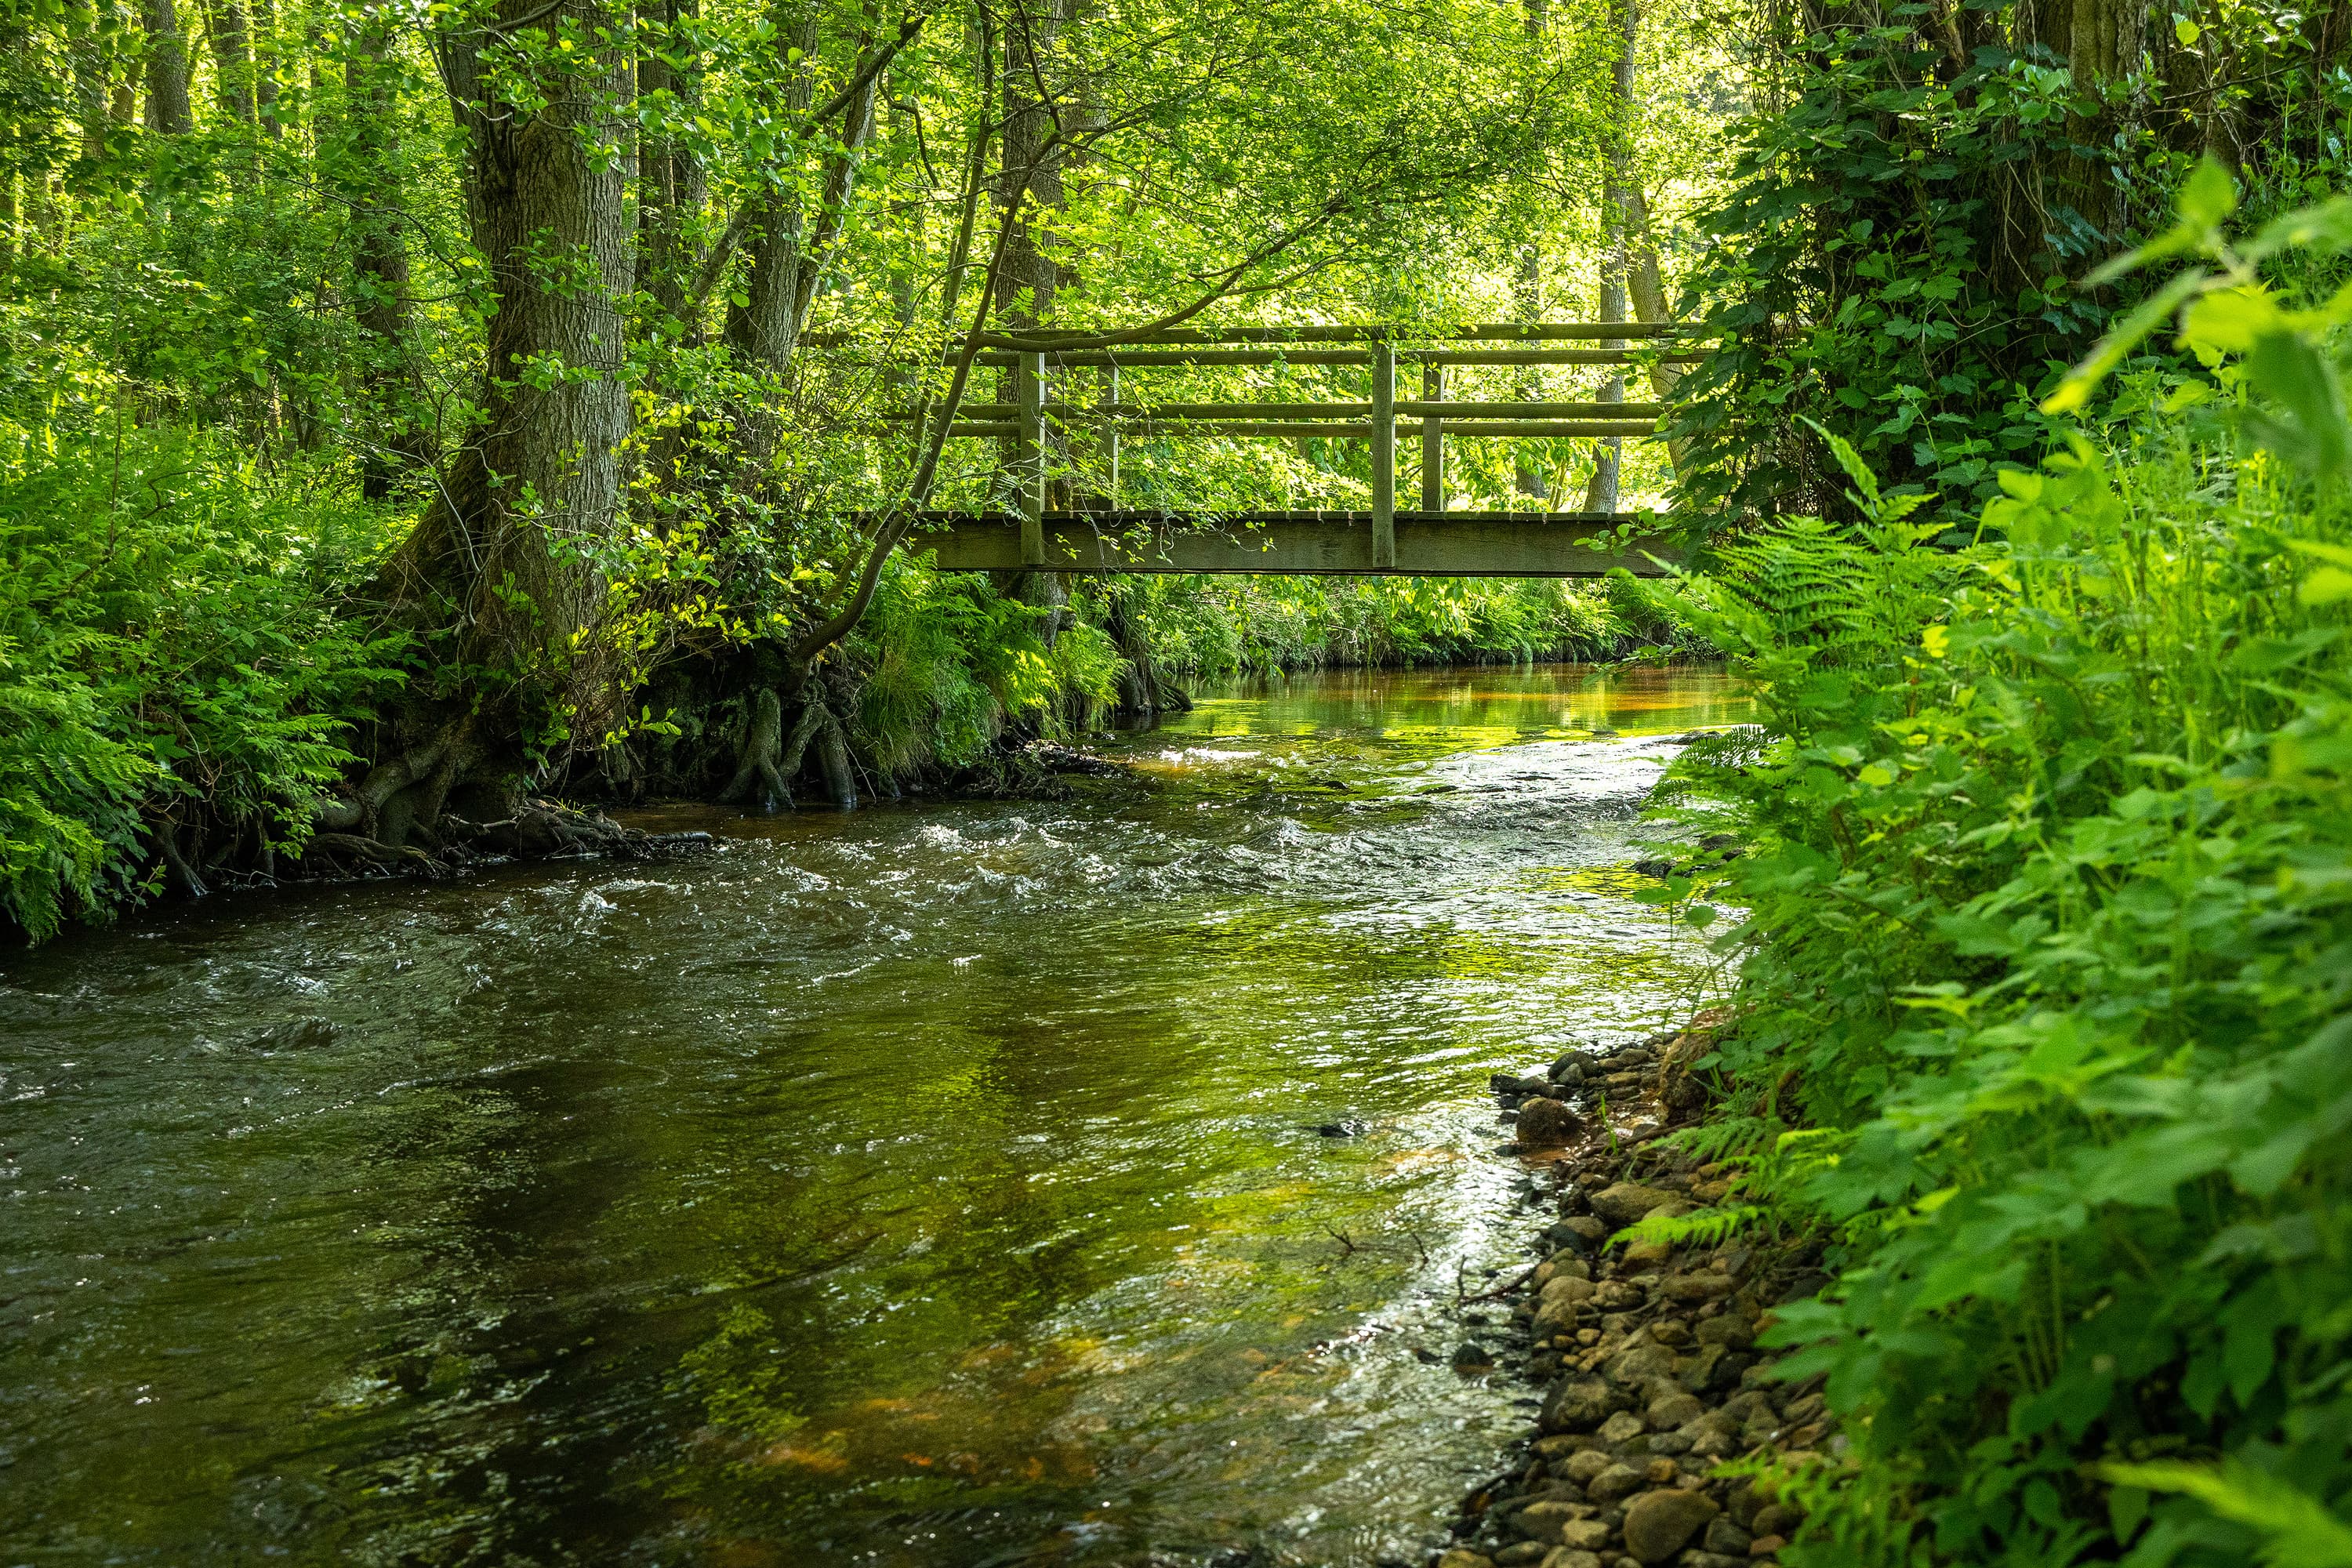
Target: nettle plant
(2047, 958)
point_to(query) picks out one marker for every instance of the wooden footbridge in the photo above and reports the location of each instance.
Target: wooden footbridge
(1099, 536)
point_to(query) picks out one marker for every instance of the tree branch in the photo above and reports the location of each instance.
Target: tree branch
(722, 251)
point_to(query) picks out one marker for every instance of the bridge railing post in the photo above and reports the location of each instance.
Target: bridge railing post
(1432, 444)
(1031, 392)
(1383, 454)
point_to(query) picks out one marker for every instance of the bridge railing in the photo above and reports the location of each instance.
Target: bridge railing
(1379, 419)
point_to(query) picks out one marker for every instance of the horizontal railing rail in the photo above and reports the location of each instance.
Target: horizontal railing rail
(1379, 419)
(1390, 333)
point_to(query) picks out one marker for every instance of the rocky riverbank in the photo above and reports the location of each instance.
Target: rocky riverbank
(1659, 1407)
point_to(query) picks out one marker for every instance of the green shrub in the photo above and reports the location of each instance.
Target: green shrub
(174, 656)
(2048, 947)
(949, 662)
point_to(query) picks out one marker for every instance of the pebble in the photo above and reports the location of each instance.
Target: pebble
(1646, 1358)
(1658, 1524)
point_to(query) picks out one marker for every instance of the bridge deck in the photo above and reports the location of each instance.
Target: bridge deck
(1311, 543)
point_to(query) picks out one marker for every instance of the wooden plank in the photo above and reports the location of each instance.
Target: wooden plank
(1383, 455)
(1147, 359)
(1427, 544)
(1543, 356)
(1389, 331)
(1148, 412)
(1531, 409)
(1519, 409)
(1349, 430)
(1541, 427)
(1004, 429)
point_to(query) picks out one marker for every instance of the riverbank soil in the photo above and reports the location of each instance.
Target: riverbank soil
(1654, 1388)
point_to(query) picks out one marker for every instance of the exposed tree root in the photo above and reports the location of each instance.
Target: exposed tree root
(763, 755)
(167, 844)
(770, 760)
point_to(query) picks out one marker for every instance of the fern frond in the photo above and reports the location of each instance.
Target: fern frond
(1700, 1227)
(1712, 1142)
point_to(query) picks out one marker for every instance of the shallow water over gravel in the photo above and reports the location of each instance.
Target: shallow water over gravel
(935, 1185)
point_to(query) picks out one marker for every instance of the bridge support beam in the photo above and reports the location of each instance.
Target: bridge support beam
(1331, 543)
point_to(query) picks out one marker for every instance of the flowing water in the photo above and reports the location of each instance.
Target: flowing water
(942, 1183)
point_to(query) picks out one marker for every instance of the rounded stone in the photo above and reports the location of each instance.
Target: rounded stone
(1659, 1523)
(1619, 1480)
(1548, 1124)
(1628, 1201)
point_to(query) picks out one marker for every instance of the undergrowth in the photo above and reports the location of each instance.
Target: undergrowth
(1203, 627)
(2045, 972)
(171, 635)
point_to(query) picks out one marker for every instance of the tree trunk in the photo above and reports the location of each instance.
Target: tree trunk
(87, 52)
(168, 112)
(1648, 291)
(671, 185)
(380, 269)
(1616, 203)
(764, 329)
(264, 66)
(232, 61)
(791, 247)
(1031, 182)
(513, 550)
(1528, 290)
(2101, 41)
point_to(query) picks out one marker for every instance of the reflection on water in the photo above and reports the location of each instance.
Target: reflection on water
(935, 1185)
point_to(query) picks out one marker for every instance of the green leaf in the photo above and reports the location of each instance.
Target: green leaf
(2231, 321)
(2297, 1530)
(2326, 228)
(2328, 585)
(2208, 195)
(2289, 369)
(2127, 335)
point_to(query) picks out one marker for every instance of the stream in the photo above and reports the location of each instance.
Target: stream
(939, 1184)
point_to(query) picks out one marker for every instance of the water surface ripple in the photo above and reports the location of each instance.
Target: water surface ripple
(939, 1184)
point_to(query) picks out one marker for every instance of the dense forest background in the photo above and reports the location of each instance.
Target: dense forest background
(411, 414)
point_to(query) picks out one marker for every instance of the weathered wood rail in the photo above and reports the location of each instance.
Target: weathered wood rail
(1430, 542)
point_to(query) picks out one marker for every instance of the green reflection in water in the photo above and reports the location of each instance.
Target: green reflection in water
(921, 1186)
